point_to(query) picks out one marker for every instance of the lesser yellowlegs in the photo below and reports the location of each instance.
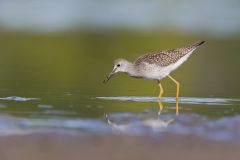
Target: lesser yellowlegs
(156, 65)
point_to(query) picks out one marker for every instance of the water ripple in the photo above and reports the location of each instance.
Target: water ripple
(17, 126)
(183, 100)
(16, 98)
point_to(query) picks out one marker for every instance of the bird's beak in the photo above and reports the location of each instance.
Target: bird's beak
(110, 75)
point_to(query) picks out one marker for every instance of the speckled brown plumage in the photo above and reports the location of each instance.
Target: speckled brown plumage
(167, 57)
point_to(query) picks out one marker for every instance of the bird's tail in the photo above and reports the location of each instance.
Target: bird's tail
(198, 43)
(190, 48)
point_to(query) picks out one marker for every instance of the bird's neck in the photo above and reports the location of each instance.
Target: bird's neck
(131, 70)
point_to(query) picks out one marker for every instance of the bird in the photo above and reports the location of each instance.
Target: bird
(155, 66)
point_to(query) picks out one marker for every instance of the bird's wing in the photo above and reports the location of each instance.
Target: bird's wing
(167, 57)
(160, 58)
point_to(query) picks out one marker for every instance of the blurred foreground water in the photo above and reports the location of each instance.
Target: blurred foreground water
(207, 118)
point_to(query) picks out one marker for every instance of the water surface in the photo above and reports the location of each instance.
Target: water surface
(111, 115)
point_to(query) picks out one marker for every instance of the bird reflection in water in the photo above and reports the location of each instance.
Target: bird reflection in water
(155, 124)
(160, 104)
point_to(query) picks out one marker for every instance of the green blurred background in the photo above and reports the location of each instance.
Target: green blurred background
(63, 47)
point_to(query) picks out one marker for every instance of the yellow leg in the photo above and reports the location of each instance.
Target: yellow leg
(161, 90)
(177, 94)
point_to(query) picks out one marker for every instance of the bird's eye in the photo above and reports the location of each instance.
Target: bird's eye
(118, 65)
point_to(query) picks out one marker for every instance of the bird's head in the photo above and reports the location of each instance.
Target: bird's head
(120, 65)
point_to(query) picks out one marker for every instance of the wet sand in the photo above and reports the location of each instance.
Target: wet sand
(55, 146)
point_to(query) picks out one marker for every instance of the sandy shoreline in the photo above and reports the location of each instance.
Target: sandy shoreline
(118, 147)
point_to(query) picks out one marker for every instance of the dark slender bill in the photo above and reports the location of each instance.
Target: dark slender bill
(110, 75)
(108, 78)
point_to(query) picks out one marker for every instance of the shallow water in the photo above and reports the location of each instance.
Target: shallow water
(111, 115)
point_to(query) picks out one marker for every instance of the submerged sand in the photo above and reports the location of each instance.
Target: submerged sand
(55, 146)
